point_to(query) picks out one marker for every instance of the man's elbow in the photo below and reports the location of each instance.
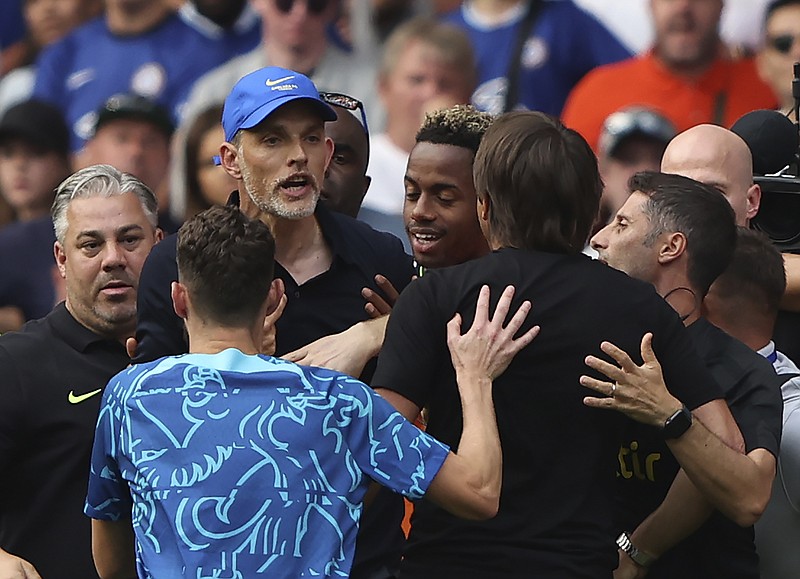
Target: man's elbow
(483, 506)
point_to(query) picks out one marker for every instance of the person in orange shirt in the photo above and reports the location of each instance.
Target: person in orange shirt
(687, 75)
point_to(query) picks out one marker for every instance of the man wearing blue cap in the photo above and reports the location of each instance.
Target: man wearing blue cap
(276, 148)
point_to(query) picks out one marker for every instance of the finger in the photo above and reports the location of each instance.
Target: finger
(377, 301)
(525, 339)
(621, 356)
(606, 368)
(482, 307)
(454, 329)
(600, 386)
(30, 571)
(130, 347)
(519, 318)
(503, 306)
(648, 355)
(372, 312)
(295, 356)
(604, 403)
(387, 288)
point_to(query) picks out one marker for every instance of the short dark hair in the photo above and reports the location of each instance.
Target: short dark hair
(460, 126)
(542, 181)
(698, 211)
(226, 261)
(775, 5)
(756, 273)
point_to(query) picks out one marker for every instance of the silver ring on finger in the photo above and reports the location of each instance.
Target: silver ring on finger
(613, 389)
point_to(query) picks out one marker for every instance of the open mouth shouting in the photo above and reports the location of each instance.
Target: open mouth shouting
(298, 185)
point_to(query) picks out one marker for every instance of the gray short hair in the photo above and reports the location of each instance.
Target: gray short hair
(99, 181)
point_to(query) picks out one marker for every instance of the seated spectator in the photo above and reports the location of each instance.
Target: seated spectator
(633, 140)
(132, 134)
(531, 54)
(34, 159)
(780, 49)
(46, 22)
(207, 183)
(423, 61)
(686, 76)
(141, 47)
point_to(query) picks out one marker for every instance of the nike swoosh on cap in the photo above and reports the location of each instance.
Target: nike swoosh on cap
(271, 82)
(78, 398)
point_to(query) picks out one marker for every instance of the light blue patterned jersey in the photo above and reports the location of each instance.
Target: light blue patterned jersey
(244, 466)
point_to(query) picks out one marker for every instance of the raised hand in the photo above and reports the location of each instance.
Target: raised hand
(488, 347)
(637, 391)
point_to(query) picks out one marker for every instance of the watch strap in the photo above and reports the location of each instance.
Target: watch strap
(639, 557)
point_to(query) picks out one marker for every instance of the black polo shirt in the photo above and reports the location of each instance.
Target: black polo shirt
(326, 304)
(53, 372)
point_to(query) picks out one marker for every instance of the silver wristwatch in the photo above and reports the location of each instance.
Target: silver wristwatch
(639, 557)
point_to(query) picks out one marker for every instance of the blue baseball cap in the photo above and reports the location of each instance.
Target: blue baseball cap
(258, 94)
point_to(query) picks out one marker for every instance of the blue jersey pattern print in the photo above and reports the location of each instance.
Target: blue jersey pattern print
(240, 466)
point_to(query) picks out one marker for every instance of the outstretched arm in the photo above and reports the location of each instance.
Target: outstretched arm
(737, 484)
(468, 484)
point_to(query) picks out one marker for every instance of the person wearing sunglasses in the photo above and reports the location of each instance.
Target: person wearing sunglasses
(346, 181)
(780, 49)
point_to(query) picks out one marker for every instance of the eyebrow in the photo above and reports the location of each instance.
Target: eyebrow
(117, 232)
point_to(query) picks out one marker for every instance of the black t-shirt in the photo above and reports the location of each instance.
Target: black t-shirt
(559, 456)
(722, 549)
(327, 304)
(53, 372)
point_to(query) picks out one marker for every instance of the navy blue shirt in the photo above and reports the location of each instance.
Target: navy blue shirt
(26, 267)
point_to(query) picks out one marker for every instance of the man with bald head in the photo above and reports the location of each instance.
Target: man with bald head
(719, 158)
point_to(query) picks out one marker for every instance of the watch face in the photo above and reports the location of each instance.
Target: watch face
(678, 423)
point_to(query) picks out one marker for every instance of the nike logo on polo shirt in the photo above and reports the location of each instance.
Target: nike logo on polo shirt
(271, 82)
(77, 399)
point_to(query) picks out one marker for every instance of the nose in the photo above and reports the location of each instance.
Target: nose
(423, 209)
(297, 153)
(113, 256)
(599, 240)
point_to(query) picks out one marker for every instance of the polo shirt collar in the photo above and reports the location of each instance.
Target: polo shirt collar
(333, 229)
(75, 334)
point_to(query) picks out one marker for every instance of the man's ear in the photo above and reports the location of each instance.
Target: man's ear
(180, 299)
(276, 291)
(229, 156)
(673, 247)
(61, 259)
(484, 207)
(753, 201)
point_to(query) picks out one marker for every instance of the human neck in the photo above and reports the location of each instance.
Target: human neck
(214, 339)
(119, 333)
(136, 20)
(300, 59)
(300, 247)
(29, 213)
(683, 298)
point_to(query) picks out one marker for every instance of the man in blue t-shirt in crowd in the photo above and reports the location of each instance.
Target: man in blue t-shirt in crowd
(225, 459)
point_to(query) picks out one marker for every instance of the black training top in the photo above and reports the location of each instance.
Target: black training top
(53, 372)
(721, 549)
(324, 305)
(559, 456)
